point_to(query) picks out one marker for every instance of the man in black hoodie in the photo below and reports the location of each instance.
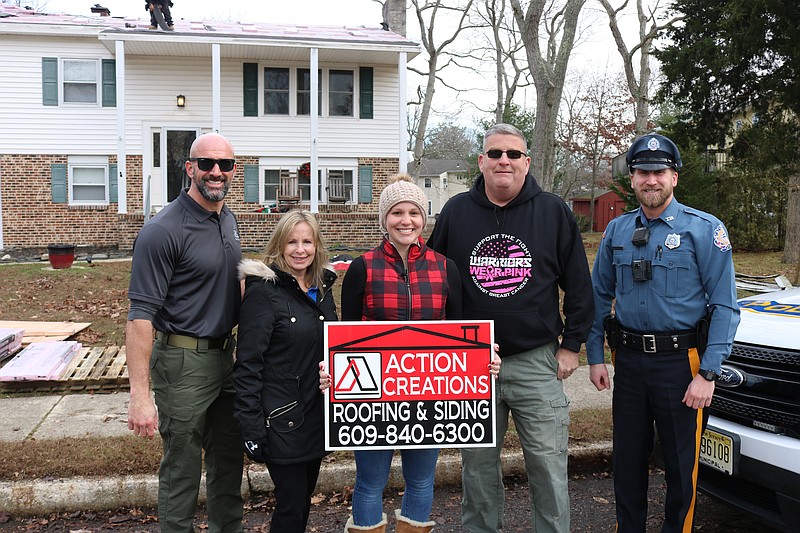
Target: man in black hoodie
(515, 246)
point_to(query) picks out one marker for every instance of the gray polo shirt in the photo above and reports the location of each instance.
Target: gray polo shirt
(185, 262)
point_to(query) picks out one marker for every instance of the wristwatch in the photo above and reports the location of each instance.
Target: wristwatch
(708, 375)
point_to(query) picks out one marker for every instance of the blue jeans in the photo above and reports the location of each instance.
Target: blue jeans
(372, 474)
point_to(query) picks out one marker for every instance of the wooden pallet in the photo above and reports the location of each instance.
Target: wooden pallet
(100, 369)
(37, 331)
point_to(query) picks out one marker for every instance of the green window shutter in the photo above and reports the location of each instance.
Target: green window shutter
(58, 183)
(251, 183)
(49, 81)
(365, 184)
(250, 87)
(109, 72)
(112, 183)
(365, 91)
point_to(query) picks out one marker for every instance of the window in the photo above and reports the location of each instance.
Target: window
(428, 184)
(340, 95)
(287, 91)
(444, 181)
(88, 180)
(276, 91)
(271, 171)
(80, 81)
(346, 177)
(271, 180)
(304, 92)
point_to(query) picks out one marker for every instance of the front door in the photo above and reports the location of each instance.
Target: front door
(178, 143)
(167, 176)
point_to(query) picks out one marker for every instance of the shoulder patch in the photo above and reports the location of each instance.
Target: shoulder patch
(721, 239)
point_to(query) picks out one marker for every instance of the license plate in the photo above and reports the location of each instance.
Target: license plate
(718, 451)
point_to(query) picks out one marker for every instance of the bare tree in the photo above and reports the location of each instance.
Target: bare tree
(603, 128)
(649, 30)
(426, 13)
(504, 49)
(548, 32)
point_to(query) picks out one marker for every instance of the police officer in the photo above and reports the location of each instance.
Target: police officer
(670, 269)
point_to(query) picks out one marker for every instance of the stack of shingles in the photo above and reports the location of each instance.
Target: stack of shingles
(10, 341)
(40, 361)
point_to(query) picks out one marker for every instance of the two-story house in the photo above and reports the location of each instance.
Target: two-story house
(98, 114)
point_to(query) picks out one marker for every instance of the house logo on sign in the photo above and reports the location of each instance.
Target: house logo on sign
(357, 376)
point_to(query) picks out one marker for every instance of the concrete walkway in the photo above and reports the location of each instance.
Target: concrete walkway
(105, 415)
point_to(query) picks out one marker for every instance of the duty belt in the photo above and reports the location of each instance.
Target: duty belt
(657, 342)
(192, 343)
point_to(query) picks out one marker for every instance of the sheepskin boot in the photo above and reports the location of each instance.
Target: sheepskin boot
(380, 527)
(406, 525)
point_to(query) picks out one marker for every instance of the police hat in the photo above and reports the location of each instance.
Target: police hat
(653, 152)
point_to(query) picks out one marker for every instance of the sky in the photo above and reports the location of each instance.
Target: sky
(594, 50)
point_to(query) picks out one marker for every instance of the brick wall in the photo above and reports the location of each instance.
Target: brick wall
(32, 221)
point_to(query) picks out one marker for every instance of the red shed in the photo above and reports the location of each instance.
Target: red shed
(607, 206)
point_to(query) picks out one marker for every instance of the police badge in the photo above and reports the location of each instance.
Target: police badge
(673, 241)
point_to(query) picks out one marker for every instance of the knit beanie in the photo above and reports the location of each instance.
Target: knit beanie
(401, 188)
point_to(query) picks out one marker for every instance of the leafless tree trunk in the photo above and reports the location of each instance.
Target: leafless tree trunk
(649, 29)
(791, 247)
(426, 13)
(549, 68)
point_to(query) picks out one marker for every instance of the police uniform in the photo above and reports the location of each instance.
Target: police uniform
(664, 286)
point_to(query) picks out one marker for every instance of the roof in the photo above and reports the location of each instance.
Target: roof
(588, 194)
(436, 167)
(141, 40)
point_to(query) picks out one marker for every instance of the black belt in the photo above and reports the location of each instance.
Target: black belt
(192, 343)
(657, 342)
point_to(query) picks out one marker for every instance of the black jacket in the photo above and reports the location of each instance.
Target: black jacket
(513, 260)
(276, 373)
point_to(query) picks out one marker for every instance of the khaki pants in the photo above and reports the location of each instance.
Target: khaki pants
(194, 395)
(527, 389)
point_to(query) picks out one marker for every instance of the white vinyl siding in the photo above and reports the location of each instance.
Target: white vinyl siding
(151, 87)
(39, 129)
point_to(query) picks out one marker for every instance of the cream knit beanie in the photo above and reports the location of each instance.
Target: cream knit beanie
(401, 188)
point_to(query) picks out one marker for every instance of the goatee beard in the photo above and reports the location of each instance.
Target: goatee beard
(212, 196)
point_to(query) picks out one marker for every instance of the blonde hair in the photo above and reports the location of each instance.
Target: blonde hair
(277, 243)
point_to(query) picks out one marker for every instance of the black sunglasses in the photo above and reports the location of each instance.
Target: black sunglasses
(497, 154)
(206, 164)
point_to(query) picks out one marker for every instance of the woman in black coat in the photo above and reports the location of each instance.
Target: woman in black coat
(278, 406)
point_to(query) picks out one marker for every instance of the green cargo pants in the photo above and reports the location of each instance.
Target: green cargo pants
(194, 396)
(528, 390)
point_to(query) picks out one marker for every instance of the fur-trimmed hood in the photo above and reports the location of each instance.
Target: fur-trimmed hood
(254, 267)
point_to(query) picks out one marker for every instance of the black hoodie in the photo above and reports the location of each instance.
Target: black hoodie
(513, 259)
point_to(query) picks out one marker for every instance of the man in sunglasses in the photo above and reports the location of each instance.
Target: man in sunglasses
(185, 298)
(515, 247)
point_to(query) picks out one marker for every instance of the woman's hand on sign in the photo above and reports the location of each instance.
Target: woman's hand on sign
(325, 381)
(494, 366)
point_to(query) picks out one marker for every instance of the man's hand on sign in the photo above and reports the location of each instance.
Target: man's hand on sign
(325, 380)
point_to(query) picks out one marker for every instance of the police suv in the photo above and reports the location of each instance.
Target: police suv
(750, 454)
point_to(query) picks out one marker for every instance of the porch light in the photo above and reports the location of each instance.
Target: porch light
(181, 101)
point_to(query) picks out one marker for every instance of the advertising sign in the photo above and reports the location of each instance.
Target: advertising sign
(409, 385)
